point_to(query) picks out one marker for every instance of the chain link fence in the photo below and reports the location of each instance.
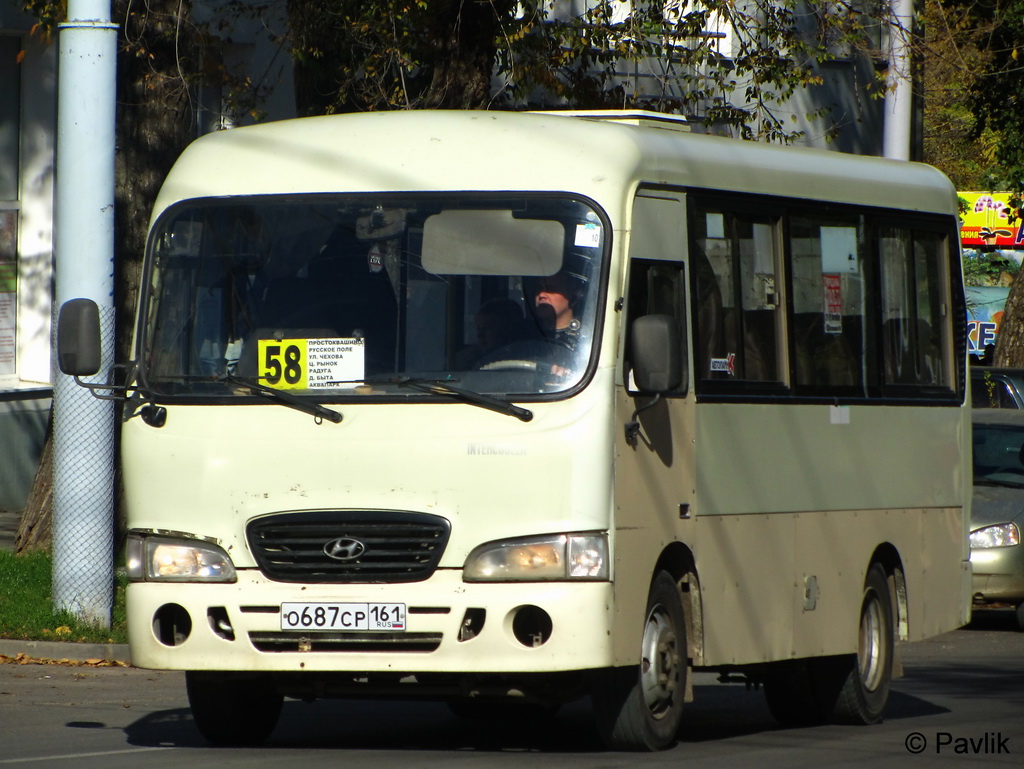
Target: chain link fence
(83, 492)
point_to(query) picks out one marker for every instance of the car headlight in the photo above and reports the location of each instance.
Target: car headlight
(999, 535)
(544, 558)
(157, 558)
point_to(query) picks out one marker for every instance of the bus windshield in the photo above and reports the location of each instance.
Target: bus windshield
(341, 296)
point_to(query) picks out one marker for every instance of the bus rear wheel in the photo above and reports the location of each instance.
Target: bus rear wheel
(640, 707)
(229, 709)
(865, 691)
(850, 688)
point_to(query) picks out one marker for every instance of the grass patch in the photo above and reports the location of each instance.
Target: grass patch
(26, 605)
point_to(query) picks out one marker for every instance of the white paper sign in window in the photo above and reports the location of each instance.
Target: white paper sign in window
(839, 250)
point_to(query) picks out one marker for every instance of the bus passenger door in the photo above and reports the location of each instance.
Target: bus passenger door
(654, 463)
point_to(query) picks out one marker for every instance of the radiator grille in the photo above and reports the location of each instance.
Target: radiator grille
(348, 546)
(284, 642)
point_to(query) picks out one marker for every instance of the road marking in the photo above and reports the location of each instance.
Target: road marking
(67, 756)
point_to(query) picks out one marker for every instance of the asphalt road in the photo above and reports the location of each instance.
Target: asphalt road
(961, 700)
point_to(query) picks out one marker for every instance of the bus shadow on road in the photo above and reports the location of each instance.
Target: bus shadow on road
(363, 725)
(165, 729)
(719, 713)
(724, 712)
(971, 681)
(902, 706)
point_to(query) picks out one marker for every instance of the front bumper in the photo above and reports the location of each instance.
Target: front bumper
(453, 627)
(998, 575)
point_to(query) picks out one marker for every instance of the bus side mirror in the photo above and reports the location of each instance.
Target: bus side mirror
(78, 337)
(657, 354)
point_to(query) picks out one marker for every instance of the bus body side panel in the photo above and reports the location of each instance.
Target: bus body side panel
(790, 513)
(789, 585)
(786, 584)
(653, 475)
(795, 458)
(653, 486)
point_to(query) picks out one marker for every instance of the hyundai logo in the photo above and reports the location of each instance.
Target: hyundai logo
(344, 549)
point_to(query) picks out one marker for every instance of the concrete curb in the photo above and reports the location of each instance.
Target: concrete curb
(56, 650)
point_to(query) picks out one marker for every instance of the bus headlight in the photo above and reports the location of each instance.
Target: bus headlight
(165, 559)
(544, 558)
(999, 535)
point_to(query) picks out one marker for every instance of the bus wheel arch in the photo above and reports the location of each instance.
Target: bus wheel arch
(888, 557)
(677, 560)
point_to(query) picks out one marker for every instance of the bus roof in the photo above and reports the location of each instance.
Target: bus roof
(405, 151)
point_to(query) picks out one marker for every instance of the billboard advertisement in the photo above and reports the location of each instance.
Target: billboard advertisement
(986, 222)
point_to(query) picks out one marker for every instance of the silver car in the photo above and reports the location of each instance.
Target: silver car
(997, 510)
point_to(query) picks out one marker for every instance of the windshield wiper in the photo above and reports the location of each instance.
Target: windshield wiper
(286, 399)
(466, 396)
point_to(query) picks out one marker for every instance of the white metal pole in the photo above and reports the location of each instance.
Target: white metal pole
(83, 482)
(899, 94)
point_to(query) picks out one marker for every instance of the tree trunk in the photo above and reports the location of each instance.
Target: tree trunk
(1010, 342)
(462, 72)
(155, 120)
(35, 530)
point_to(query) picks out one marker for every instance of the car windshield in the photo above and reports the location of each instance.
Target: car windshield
(999, 448)
(343, 297)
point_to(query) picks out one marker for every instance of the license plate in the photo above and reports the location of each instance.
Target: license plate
(343, 616)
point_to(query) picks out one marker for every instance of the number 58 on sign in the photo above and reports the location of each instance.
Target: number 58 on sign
(309, 364)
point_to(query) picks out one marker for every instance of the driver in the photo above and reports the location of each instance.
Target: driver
(551, 332)
(554, 304)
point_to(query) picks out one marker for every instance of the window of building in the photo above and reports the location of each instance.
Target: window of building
(10, 120)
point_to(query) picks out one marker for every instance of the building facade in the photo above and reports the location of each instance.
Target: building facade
(28, 83)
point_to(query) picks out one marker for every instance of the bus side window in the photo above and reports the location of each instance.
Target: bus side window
(655, 288)
(735, 258)
(710, 321)
(829, 305)
(915, 297)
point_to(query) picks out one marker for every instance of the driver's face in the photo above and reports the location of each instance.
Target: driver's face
(554, 292)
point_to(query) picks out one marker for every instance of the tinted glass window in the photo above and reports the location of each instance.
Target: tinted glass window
(735, 262)
(346, 297)
(829, 304)
(818, 301)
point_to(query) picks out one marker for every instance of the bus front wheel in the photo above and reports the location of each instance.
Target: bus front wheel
(231, 709)
(640, 707)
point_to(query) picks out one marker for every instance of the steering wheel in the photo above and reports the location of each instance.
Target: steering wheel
(510, 364)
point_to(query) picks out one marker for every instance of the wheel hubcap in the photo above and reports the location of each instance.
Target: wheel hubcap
(871, 648)
(659, 668)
